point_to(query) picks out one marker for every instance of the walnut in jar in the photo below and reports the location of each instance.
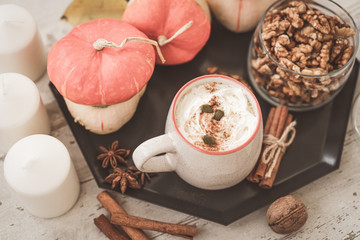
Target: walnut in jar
(311, 51)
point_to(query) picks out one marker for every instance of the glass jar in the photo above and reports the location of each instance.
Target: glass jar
(296, 61)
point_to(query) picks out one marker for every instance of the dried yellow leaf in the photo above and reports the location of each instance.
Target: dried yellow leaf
(80, 11)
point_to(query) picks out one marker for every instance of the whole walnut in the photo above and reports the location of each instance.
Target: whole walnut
(286, 215)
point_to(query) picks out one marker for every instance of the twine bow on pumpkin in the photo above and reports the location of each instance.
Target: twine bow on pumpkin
(274, 146)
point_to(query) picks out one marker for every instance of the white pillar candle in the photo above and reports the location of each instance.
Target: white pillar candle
(22, 112)
(39, 169)
(21, 48)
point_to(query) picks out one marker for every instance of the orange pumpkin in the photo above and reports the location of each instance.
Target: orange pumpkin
(88, 76)
(101, 81)
(181, 27)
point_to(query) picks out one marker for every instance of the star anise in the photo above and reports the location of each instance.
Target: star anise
(122, 179)
(113, 154)
(136, 172)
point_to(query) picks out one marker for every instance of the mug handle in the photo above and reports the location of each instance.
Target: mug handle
(145, 158)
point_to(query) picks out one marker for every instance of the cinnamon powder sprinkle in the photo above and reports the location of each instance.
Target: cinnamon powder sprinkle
(211, 126)
(211, 87)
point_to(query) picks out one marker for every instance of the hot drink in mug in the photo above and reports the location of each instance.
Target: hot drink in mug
(213, 134)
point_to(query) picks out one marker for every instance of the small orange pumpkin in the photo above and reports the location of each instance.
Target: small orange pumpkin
(100, 77)
(181, 27)
(102, 82)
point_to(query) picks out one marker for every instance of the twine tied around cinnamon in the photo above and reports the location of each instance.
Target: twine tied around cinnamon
(276, 145)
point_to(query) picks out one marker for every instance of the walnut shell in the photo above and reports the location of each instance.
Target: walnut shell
(286, 215)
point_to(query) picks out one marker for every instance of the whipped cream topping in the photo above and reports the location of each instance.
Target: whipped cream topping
(236, 126)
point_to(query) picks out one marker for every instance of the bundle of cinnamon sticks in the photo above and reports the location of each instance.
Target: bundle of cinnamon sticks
(132, 225)
(265, 170)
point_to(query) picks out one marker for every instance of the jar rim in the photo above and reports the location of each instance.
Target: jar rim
(350, 61)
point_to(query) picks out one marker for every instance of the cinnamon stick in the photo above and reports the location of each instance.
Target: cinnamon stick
(276, 120)
(108, 229)
(269, 121)
(282, 121)
(253, 176)
(112, 206)
(261, 170)
(267, 183)
(122, 219)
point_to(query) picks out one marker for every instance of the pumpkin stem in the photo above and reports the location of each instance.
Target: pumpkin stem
(163, 40)
(101, 43)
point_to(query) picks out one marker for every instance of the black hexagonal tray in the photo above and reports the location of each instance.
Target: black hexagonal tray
(315, 152)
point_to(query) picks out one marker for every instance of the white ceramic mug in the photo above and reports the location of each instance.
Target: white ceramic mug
(201, 168)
